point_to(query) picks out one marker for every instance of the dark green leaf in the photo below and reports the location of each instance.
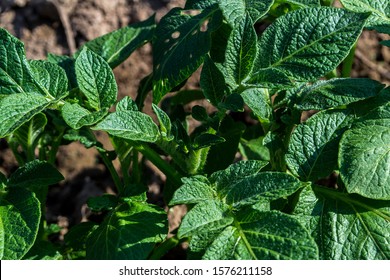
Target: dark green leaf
(265, 186)
(15, 72)
(206, 140)
(234, 11)
(43, 250)
(115, 47)
(212, 82)
(131, 125)
(312, 151)
(20, 213)
(309, 43)
(17, 109)
(34, 175)
(180, 48)
(379, 9)
(364, 156)
(51, 76)
(233, 102)
(346, 227)
(195, 189)
(165, 123)
(258, 101)
(76, 116)
(84, 136)
(129, 232)
(102, 203)
(96, 80)
(263, 236)
(336, 92)
(241, 51)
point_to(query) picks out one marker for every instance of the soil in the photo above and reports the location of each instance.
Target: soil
(62, 26)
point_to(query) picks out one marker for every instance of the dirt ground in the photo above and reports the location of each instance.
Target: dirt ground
(62, 26)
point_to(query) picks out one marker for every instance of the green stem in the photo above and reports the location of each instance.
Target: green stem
(112, 170)
(164, 247)
(348, 63)
(136, 172)
(171, 173)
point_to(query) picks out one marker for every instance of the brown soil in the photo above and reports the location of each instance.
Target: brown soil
(60, 27)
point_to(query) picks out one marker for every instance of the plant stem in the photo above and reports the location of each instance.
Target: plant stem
(111, 169)
(348, 63)
(171, 173)
(164, 247)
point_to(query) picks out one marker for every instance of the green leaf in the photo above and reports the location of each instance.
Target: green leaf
(305, 3)
(102, 203)
(28, 134)
(128, 232)
(15, 72)
(17, 109)
(43, 250)
(20, 213)
(165, 123)
(115, 47)
(265, 186)
(195, 189)
(234, 11)
(236, 172)
(180, 48)
(35, 174)
(84, 136)
(241, 51)
(126, 104)
(336, 92)
(258, 101)
(210, 214)
(96, 80)
(364, 157)
(206, 140)
(131, 125)
(379, 9)
(261, 235)
(233, 102)
(68, 64)
(346, 227)
(212, 82)
(312, 151)
(222, 155)
(254, 149)
(51, 76)
(270, 78)
(76, 116)
(309, 43)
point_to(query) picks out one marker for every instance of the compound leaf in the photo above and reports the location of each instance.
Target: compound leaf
(20, 213)
(129, 232)
(309, 43)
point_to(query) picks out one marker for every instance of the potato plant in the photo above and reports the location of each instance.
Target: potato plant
(254, 190)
